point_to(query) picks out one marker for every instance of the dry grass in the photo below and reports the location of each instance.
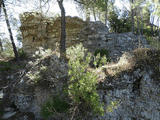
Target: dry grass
(141, 54)
(125, 63)
(140, 58)
(148, 59)
(154, 42)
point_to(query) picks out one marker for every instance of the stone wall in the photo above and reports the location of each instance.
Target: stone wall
(39, 31)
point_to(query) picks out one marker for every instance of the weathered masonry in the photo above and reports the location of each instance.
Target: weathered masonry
(39, 31)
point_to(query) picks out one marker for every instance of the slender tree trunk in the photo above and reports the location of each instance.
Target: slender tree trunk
(132, 15)
(138, 25)
(40, 6)
(63, 30)
(106, 12)
(87, 15)
(152, 26)
(142, 24)
(1, 46)
(10, 31)
(0, 6)
(99, 16)
(94, 13)
(139, 32)
(158, 29)
(158, 34)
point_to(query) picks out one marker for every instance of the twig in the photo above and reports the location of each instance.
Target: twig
(74, 112)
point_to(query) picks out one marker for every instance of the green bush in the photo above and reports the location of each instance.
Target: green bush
(101, 57)
(53, 106)
(82, 84)
(21, 53)
(154, 42)
(8, 66)
(102, 52)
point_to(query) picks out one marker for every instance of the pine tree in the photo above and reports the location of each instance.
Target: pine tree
(9, 30)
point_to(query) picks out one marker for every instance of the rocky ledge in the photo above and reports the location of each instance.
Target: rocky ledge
(128, 88)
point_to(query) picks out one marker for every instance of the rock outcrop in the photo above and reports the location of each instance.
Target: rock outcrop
(134, 93)
(129, 88)
(41, 79)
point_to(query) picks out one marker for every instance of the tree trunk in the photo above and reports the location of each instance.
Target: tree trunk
(1, 47)
(158, 34)
(139, 32)
(106, 12)
(99, 16)
(158, 29)
(142, 24)
(87, 15)
(10, 31)
(132, 15)
(63, 30)
(138, 26)
(0, 6)
(152, 22)
(94, 14)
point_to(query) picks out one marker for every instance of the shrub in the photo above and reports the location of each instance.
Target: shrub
(148, 58)
(82, 84)
(101, 57)
(53, 106)
(102, 52)
(21, 53)
(154, 42)
(112, 106)
(9, 66)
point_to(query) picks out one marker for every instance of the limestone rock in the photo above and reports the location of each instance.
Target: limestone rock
(132, 92)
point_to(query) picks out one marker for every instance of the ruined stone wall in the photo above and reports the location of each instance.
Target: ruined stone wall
(40, 31)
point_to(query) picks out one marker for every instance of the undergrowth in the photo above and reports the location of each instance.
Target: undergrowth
(53, 106)
(101, 57)
(6, 66)
(82, 83)
(145, 58)
(154, 42)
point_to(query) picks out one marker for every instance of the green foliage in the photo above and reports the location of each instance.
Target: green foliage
(119, 24)
(102, 52)
(53, 106)
(99, 61)
(148, 57)
(154, 42)
(7, 48)
(112, 106)
(101, 57)
(8, 66)
(83, 83)
(147, 31)
(21, 53)
(102, 4)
